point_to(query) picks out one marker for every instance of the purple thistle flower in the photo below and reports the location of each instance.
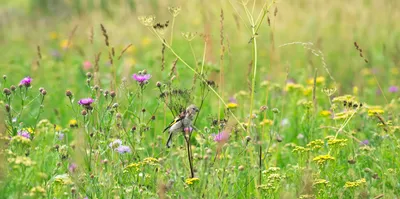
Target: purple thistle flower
(141, 78)
(115, 143)
(72, 167)
(24, 134)
(123, 149)
(393, 89)
(233, 100)
(86, 101)
(364, 142)
(26, 81)
(221, 137)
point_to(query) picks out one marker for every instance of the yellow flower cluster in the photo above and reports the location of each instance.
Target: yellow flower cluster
(320, 182)
(325, 113)
(232, 105)
(271, 170)
(22, 160)
(294, 87)
(337, 142)
(266, 122)
(321, 159)
(37, 191)
(147, 161)
(315, 145)
(356, 183)
(73, 123)
(375, 110)
(191, 181)
(319, 80)
(300, 149)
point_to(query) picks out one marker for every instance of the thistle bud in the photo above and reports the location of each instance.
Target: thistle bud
(7, 91)
(112, 94)
(68, 93)
(158, 84)
(84, 112)
(13, 88)
(89, 75)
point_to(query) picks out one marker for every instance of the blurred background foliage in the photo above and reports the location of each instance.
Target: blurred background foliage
(331, 26)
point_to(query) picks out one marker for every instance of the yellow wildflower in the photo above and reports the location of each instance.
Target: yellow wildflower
(146, 41)
(300, 149)
(321, 159)
(337, 142)
(191, 181)
(30, 130)
(53, 35)
(135, 166)
(73, 123)
(64, 44)
(307, 91)
(232, 105)
(319, 80)
(355, 90)
(320, 182)
(325, 113)
(58, 128)
(355, 183)
(293, 87)
(266, 122)
(375, 110)
(131, 61)
(271, 170)
(38, 191)
(22, 160)
(365, 71)
(315, 144)
(150, 161)
(394, 71)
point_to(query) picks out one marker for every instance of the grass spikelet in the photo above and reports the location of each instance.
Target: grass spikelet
(104, 32)
(71, 35)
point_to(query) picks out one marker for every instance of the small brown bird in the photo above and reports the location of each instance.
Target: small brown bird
(183, 121)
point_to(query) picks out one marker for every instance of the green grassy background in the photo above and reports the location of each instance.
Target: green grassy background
(331, 26)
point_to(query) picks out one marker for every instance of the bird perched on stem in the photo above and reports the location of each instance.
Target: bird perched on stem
(183, 121)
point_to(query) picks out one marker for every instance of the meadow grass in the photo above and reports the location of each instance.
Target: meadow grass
(297, 99)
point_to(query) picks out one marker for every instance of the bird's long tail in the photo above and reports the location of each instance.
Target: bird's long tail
(169, 141)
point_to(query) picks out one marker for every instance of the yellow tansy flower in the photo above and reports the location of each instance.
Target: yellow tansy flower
(321, 159)
(354, 184)
(53, 35)
(191, 181)
(266, 122)
(58, 128)
(146, 41)
(64, 44)
(319, 80)
(232, 105)
(73, 123)
(38, 191)
(325, 113)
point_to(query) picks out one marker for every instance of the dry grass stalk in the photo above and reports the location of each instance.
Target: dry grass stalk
(104, 31)
(71, 35)
(123, 51)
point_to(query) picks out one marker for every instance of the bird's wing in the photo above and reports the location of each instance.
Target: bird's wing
(176, 126)
(178, 119)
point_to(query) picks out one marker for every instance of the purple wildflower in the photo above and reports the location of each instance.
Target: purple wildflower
(364, 142)
(26, 81)
(61, 136)
(25, 134)
(141, 78)
(393, 89)
(86, 101)
(72, 167)
(221, 137)
(123, 149)
(233, 100)
(115, 143)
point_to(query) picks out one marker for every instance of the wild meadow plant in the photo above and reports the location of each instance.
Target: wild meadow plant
(101, 136)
